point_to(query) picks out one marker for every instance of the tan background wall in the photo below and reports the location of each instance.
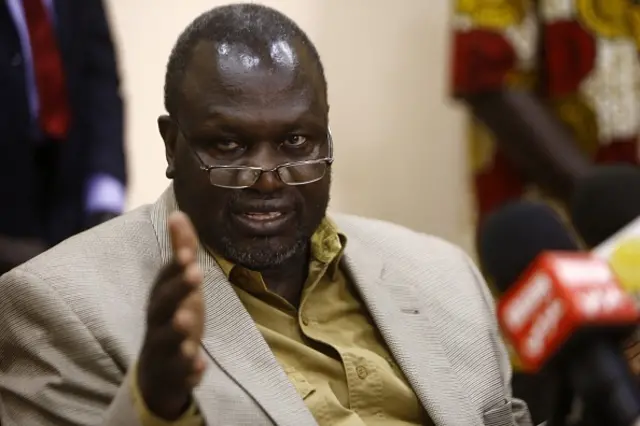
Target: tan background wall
(399, 141)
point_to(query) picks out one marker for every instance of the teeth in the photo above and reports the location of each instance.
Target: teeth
(264, 216)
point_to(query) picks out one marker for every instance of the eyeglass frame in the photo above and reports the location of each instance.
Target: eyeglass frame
(328, 160)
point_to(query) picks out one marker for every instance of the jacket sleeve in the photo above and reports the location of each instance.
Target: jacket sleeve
(53, 370)
(105, 109)
(513, 407)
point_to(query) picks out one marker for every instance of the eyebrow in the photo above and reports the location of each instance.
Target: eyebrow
(217, 120)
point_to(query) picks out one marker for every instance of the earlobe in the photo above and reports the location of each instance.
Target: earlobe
(169, 172)
(169, 134)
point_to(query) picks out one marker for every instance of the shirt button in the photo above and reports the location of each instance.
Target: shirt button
(362, 372)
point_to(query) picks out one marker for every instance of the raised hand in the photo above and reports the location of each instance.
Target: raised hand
(171, 361)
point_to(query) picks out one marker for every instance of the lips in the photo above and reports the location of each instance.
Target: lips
(264, 219)
(263, 216)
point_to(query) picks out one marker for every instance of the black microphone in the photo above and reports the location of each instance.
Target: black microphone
(548, 312)
(605, 201)
(512, 236)
(508, 240)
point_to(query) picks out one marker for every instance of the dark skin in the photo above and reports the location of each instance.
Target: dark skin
(239, 106)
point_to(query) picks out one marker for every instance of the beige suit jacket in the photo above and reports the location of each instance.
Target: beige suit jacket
(72, 321)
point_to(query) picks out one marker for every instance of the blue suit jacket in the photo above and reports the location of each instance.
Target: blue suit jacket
(95, 142)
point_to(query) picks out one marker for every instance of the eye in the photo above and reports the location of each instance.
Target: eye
(227, 145)
(295, 141)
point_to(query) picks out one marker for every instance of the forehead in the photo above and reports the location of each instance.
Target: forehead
(275, 82)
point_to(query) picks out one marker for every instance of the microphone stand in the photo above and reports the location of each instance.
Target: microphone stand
(563, 404)
(601, 377)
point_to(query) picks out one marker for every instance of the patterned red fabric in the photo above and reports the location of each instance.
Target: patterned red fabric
(482, 59)
(620, 151)
(570, 54)
(497, 184)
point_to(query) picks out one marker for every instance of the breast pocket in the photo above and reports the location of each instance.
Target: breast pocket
(304, 388)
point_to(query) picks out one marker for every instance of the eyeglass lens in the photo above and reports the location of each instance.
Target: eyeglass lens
(297, 174)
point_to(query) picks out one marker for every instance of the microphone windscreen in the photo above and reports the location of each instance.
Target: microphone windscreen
(513, 236)
(605, 201)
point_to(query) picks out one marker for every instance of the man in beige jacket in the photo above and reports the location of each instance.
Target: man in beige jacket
(234, 299)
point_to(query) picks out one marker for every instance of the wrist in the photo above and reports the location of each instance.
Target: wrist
(166, 402)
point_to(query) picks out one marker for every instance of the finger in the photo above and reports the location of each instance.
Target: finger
(194, 379)
(189, 318)
(632, 351)
(168, 272)
(198, 366)
(169, 295)
(164, 341)
(176, 371)
(184, 240)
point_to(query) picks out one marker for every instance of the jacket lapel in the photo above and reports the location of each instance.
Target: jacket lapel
(235, 344)
(231, 338)
(415, 343)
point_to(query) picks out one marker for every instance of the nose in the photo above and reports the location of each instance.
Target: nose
(267, 159)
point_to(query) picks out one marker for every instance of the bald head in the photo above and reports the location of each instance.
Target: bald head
(245, 88)
(239, 46)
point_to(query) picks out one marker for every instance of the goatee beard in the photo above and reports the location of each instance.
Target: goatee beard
(264, 253)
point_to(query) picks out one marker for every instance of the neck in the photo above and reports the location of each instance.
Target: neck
(287, 280)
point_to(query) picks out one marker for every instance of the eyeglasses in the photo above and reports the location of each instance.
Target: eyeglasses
(292, 173)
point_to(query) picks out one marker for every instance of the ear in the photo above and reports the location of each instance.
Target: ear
(169, 133)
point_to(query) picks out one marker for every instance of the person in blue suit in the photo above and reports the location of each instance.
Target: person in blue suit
(62, 160)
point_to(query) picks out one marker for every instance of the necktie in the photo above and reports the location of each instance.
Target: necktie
(54, 114)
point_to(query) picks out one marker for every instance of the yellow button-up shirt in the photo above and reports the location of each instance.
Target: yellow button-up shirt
(329, 346)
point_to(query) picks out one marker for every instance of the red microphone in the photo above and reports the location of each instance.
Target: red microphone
(569, 310)
(560, 296)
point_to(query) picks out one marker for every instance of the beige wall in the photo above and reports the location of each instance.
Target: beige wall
(399, 141)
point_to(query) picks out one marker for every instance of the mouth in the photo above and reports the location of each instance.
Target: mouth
(262, 216)
(263, 223)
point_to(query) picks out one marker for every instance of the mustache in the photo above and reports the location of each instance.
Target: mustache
(247, 199)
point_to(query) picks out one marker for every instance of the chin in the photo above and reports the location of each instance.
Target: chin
(263, 252)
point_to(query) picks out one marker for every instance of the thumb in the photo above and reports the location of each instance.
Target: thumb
(184, 240)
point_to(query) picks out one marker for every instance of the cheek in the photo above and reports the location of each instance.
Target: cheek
(214, 201)
(191, 176)
(315, 195)
(195, 192)
(209, 210)
(186, 170)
